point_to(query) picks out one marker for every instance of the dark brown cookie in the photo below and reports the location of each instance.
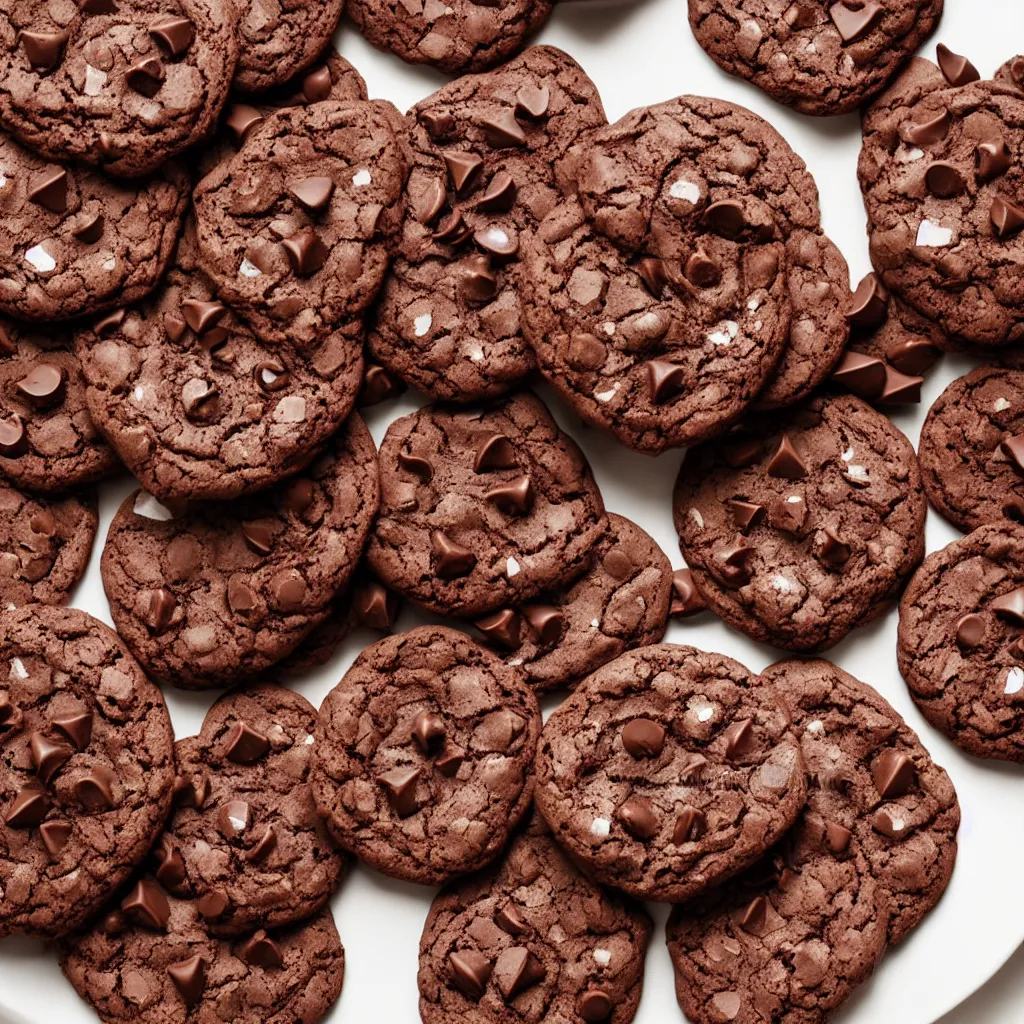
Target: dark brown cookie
(668, 771)
(482, 508)
(86, 768)
(819, 58)
(218, 593)
(619, 603)
(490, 158)
(961, 649)
(803, 526)
(124, 86)
(534, 938)
(423, 760)
(1011, 73)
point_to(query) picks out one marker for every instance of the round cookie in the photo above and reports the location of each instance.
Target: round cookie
(960, 643)
(872, 784)
(940, 178)
(801, 527)
(461, 36)
(619, 603)
(423, 760)
(86, 768)
(197, 404)
(217, 593)
(490, 158)
(1011, 73)
(295, 230)
(483, 507)
(532, 937)
(819, 58)
(48, 441)
(153, 962)
(44, 545)
(75, 243)
(124, 87)
(668, 771)
(245, 838)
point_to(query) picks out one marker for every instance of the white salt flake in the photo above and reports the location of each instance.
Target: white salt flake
(18, 670)
(783, 584)
(248, 269)
(933, 235)
(1014, 680)
(511, 567)
(1000, 405)
(361, 178)
(608, 328)
(94, 80)
(724, 333)
(600, 827)
(816, 726)
(685, 189)
(606, 396)
(422, 324)
(603, 957)
(697, 518)
(41, 259)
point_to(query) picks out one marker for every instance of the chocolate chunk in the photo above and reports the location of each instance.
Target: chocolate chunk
(452, 560)
(43, 49)
(991, 159)
(244, 745)
(643, 737)
(854, 22)
(956, 69)
(532, 102)
(265, 846)
(400, 785)
(172, 34)
(51, 190)
(546, 621)
(732, 561)
(502, 628)
(893, 773)
(837, 838)
(786, 462)
(1007, 219)
(638, 818)
(147, 905)
(509, 919)
(261, 951)
(832, 550)
(516, 970)
(726, 218)
(739, 738)
(314, 193)
(470, 972)
(753, 917)
(869, 305)
(189, 977)
(1010, 606)
(970, 630)
(13, 441)
(89, 229)
(233, 819)
(429, 732)
(516, 496)
(146, 76)
(746, 515)
(944, 180)
(691, 825)
(497, 241)
(213, 905)
(686, 599)
(160, 607)
(900, 388)
(241, 120)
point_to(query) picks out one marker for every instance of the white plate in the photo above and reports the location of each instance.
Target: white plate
(642, 53)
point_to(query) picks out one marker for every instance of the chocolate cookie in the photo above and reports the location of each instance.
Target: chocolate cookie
(534, 938)
(804, 526)
(423, 760)
(482, 508)
(73, 242)
(295, 229)
(873, 786)
(490, 158)
(218, 593)
(459, 36)
(151, 961)
(44, 545)
(123, 86)
(619, 603)
(86, 768)
(668, 771)
(819, 58)
(1011, 73)
(245, 839)
(940, 178)
(48, 441)
(960, 645)
(197, 404)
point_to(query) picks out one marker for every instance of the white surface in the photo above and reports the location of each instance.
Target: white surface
(643, 53)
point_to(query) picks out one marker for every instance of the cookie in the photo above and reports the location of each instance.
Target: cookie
(74, 242)
(48, 440)
(940, 182)
(217, 593)
(872, 785)
(619, 603)
(960, 641)
(801, 527)
(458, 37)
(483, 507)
(1011, 73)
(197, 404)
(668, 771)
(531, 937)
(44, 545)
(816, 58)
(122, 86)
(295, 229)
(423, 760)
(86, 768)
(490, 159)
(151, 961)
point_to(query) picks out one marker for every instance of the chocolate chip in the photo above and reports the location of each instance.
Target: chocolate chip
(726, 218)
(260, 951)
(190, 791)
(264, 847)
(1010, 606)
(55, 836)
(378, 386)
(970, 630)
(701, 270)
(146, 76)
(789, 513)
(44, 385)
(159, 608)
(13, 441)
(244, 745)
(463, 169)
(882, 821)
(233, 818)
(502, 627)
(272, 375)
(786, 463)
(686, 599)
(944, 180)
(259, 537)
(745, 514)
(928, 132)
(854, 22)
(754, 915)
(499, 196)
(477, 281)
(170, 871)
(28, 808)
(241, 120)
(44, 49)
(306, 253)
(510, 920)
(77, 728)
(95, 792)
(51, 190)
(212, 905)
(637, 817)
(1013, 449)
(89, 229)
(495, 451)
(532, 102)
(863, 375)
(1006, 218)
(429, 203)
(503, 130)
(199, 399)
(316, 86)
(665, 380)
(837, 838)
(739, 738)
(956, 69)
(691, 825)
(595, 1006)
(900, 388)
(172, 34)
(147, 905)
(470, 972)
(428, 731)
(732, 561)
(417, 465)
(516, 971)
(513, 497)
(869, 305)
(893, 773)
(400, 786)
(452, 560)
(991, 159)
(546, 621)
(449, 763)
(642, 738)
(48, 757)
(832, 550)
(652, 273)
(189, 977)
(374, 605)
(289, 590)
(313, 193)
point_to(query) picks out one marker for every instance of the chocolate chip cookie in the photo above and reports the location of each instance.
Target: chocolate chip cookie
(668, 771)
(423, 760)
(217, 593)
(804, 526)
(819, 58)
(483, 507)
(619, 603)
(123, 85)
(490, 159)
(197, 404)
(961, 646)
(532, 937)
(86, 768)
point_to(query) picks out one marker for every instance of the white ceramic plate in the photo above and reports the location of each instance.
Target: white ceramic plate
(641, 53)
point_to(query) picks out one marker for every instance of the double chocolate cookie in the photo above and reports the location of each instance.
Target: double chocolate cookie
(535, 938)
(483, 507)
(801, 527)
(668, 771)
(86, 768)
(220, 592)
(423, 760)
